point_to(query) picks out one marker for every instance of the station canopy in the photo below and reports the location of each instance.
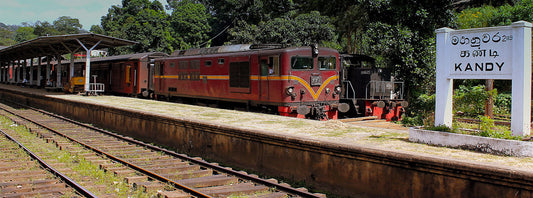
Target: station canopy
(59, 45)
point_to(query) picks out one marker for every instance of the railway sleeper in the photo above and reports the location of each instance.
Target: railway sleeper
(135, 179)
(208, 181)
(18, 172)
(149, 186)
(20, 189)
(147, 159)
(166, 164)
(189, 174)
(236, 189)
(25, 177)
(273, 195)
(173, 169)
(173, 194)
(157, 161)
(125, 173)
(129, 151)
(44, 193)
(27, 183)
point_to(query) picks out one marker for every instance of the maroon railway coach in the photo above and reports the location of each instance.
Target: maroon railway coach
(296, 81)
(128, 74)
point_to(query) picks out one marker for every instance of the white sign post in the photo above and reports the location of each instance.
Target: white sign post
(486, 53)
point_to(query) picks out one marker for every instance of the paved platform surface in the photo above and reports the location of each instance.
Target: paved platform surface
(388, 137)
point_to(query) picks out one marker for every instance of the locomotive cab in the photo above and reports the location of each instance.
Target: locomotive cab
(312, 89)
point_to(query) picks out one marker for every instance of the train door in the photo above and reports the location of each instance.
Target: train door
(263, 79)
(269, 70)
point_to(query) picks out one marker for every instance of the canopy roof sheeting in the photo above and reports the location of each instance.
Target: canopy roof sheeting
(59, 45)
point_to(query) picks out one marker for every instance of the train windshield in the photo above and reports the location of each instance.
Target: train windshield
(327, 63)
(299, 62)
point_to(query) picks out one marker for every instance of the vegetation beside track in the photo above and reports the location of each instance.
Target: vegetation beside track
(73, 160)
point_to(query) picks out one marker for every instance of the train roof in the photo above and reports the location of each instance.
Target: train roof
(235, 49)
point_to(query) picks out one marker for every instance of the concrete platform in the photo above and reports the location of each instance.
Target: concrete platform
(347, 159)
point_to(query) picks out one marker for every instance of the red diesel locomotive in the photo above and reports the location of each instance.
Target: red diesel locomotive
(295, 81)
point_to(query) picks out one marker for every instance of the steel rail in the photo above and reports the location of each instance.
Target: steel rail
(283, 188)
(80, 189)
(144, 171)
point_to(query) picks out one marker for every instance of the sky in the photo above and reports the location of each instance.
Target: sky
(89, 12)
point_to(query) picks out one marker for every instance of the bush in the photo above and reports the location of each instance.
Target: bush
(502, 104)
(487, 126)
(420, 111)
(471, 100)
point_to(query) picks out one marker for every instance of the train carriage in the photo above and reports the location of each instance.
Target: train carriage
(296, 81)
(128, 74)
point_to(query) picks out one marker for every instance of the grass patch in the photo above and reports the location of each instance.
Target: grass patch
(82, 169)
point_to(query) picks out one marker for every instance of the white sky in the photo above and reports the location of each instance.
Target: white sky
(89, 12)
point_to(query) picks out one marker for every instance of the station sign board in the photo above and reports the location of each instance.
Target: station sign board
(486, 53)
(481, 53)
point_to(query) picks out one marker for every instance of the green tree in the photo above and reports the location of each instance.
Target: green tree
(139, 20)
(44, 28)
(6, 37)
(190, 24)
(350, 23)
(304, 29)
(487, 15)
(67, 25)
(24, 34)
(97, 29)
(230, 13)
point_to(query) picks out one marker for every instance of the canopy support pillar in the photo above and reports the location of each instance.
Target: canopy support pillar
(88, 63)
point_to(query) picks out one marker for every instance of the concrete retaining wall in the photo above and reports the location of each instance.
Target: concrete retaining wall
(470, 142)
(348, 171)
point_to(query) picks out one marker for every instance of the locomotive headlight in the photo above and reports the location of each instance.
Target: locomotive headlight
(289, 91)
(338, 89)
(328, 90)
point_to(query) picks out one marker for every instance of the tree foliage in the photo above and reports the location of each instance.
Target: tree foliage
(7, 35)
(24, 34)
(487, 15)
(304, 29)
(67, 25)
(190, 24)
(45, 28)
(139, 20)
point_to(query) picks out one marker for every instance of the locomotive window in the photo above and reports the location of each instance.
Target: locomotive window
(274, 62)
(172, 64)
(195, 64)
(128, 74)
(208, 63)
(264, 67)
(327, 63)
(183, 65)
(239, 74)
(221, 61)
(298, 62)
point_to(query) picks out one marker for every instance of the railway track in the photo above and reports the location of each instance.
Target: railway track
(477, 121)
(23, 174)
(145, 167)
